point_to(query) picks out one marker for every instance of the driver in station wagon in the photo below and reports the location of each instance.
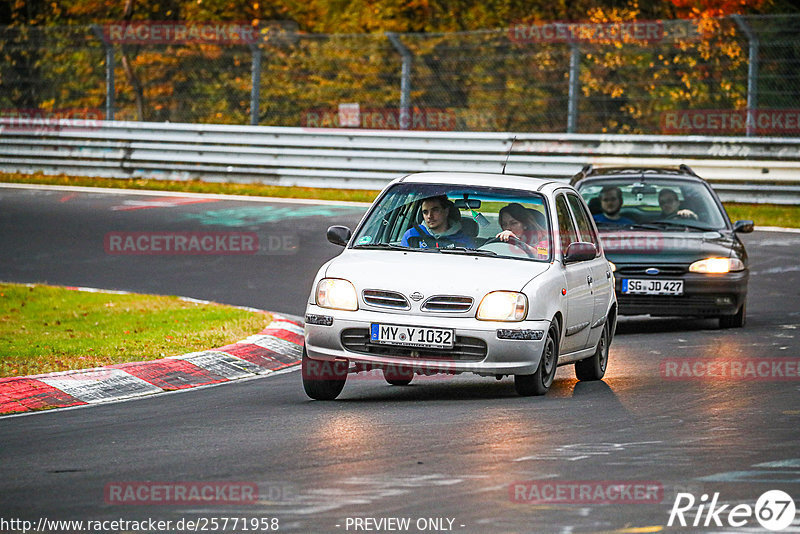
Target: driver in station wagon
(439, 229)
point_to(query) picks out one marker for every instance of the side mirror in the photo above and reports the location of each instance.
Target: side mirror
(580, 251)
(339, 235)
(743, 227)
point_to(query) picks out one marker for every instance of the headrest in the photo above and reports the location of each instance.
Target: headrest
(469, 226)
(539, 218)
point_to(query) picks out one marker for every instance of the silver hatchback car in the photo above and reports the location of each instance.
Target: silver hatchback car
(451, 273)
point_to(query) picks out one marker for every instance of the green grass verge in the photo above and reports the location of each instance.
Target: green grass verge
(762, 214)
(765, 214)
(45, 329)
(195, 186)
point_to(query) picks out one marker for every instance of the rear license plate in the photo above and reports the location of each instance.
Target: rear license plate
(412, 336)
(631, 286)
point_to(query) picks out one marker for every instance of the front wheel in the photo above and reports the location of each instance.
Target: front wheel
(322, 379)
(594, 367)
(539, 382)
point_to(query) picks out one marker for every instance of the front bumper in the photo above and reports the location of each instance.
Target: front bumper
(478, 348)
(704, 295)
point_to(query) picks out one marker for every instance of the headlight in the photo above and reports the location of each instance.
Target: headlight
(503, 306)
(337, 294)
(716, 265)
(613, 266)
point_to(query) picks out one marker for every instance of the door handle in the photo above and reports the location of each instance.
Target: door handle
(589, 280)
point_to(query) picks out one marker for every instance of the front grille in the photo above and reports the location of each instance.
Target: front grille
(465, 349)
(664, 270)
(447, 303)
(672, 305)
(385, 299)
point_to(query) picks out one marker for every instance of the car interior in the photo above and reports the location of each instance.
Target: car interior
(482, 226)
(641, 203)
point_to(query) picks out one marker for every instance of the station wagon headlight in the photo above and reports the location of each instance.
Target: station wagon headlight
(716, 265)
(503, 306)
(613, 266)
(337, 294)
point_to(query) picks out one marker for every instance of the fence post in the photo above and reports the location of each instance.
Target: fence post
(255, 82)
(752, 74)
(109, 50)
(574, 72)
(405, 80)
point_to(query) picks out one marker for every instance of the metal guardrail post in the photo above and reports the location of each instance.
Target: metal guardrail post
(574, 71)
(405, 80)
(109, 50)
(255, 82)
(752, 73)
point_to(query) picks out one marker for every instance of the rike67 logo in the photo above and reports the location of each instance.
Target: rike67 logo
(774, 510)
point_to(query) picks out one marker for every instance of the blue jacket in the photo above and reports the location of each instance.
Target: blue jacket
(457, 239)
(601, 218)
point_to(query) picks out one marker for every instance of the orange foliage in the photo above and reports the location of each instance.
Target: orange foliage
(715, 8)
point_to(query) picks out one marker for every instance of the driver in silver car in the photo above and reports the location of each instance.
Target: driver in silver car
(439, 228)
(519, 222)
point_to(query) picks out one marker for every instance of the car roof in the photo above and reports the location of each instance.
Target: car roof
(485, 179)
(589, 174)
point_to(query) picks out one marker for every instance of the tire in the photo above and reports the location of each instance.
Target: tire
(736, 320)
(398, 375)
(594, 367)
(539, 382)
(323, 380)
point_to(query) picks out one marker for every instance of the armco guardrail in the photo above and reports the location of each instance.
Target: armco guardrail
(741, 169)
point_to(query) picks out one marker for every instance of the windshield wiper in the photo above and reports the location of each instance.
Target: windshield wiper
(606, 224)
(674, 224)
(392, 246)
(645, 226)
(468, 251)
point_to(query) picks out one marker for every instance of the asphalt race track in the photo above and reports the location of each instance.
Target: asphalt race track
(462, 454)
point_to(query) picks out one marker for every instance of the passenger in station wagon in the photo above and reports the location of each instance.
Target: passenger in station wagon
(520, 223)
(611, 204)
(440, 228)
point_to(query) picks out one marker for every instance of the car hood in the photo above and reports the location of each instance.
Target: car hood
(676, 247)
(431, 273)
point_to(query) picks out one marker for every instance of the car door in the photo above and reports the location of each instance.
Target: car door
(600, 285)
(579, 302)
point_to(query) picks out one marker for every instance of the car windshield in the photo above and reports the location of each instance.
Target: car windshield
(652, 203)
(455, 219)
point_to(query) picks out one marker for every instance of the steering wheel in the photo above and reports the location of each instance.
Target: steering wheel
(677, 216)
(512, 240)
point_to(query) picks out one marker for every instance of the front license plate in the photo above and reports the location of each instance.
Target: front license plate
(412, 336)
(631, 286)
